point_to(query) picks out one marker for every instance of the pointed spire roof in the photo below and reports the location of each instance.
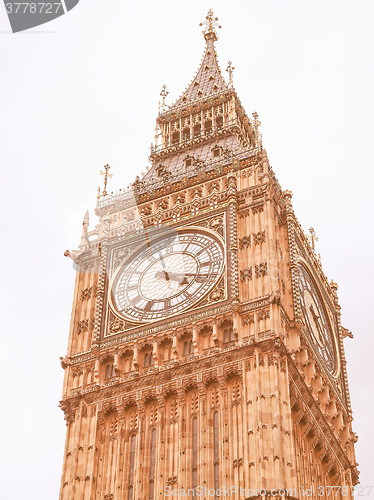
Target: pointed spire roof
(208, 80)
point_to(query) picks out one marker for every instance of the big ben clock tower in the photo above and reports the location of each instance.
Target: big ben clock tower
(205, 354)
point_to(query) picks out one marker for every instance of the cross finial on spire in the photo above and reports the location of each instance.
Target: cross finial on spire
(230, 69)
(106, 174)
(163, 94)
(210, 25)
(312, 238)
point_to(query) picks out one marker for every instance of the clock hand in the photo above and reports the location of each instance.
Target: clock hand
(162, 259)
(181, 279)
(317, 322)
(162, 274)
(183, 275)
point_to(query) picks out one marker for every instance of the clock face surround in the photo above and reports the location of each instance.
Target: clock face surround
(168, 275)
(317, 320)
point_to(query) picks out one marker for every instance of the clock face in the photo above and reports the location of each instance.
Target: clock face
(168, 275)
(317, 320)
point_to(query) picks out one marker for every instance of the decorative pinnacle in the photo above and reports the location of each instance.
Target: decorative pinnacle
(210, 24)
(86, 223)
(256, 122)
(106, 174)
(256, 125)
(312, 238)
(163, 94)
(230, 69)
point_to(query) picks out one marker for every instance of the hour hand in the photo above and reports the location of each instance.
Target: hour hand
(169, 276)
(181, 278)
(162, 274)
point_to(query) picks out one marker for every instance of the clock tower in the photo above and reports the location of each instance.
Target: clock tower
(205, 354)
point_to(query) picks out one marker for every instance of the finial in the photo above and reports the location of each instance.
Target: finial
(256, 125)
(106, 174)
(230, 69)
(86, 219)
(163, 94)
(312, 238)
(210, 26)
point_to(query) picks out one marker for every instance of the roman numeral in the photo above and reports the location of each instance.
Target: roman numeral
(135, 300)
(148, 306)
(202, 278)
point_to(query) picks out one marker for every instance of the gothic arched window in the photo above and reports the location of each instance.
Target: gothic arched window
(216, 450)
(197, 130)
(148, 359)
(131, 468)
(127, 365)
(228, 335)
(190, 347)
(109, 372)
(152, 466)
(194, 453)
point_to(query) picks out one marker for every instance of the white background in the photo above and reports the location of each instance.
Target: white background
(83, 90)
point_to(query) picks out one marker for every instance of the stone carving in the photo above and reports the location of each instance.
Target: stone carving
(244, 242)
(257, 209)
(82, 326)
(174, 411)
(86, 294)
(194, 402)
(153, 416)
(236, 393)
(259, 237)
(238, 462)
(264, 314)
(261, 269)
(243, 214)
(133, 421)
(116, 325)
(246, 274)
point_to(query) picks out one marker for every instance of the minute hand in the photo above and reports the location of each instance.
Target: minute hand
(181, 277)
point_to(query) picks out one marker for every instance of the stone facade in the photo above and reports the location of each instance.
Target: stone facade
(247, 388)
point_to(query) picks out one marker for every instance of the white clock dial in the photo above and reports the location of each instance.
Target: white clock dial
(317, 320)
(168, 275)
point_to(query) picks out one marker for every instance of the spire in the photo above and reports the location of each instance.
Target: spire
(208, 80)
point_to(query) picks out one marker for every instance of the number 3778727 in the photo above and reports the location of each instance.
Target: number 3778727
(33, 7)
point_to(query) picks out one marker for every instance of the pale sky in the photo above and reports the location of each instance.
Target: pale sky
(82, 91)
